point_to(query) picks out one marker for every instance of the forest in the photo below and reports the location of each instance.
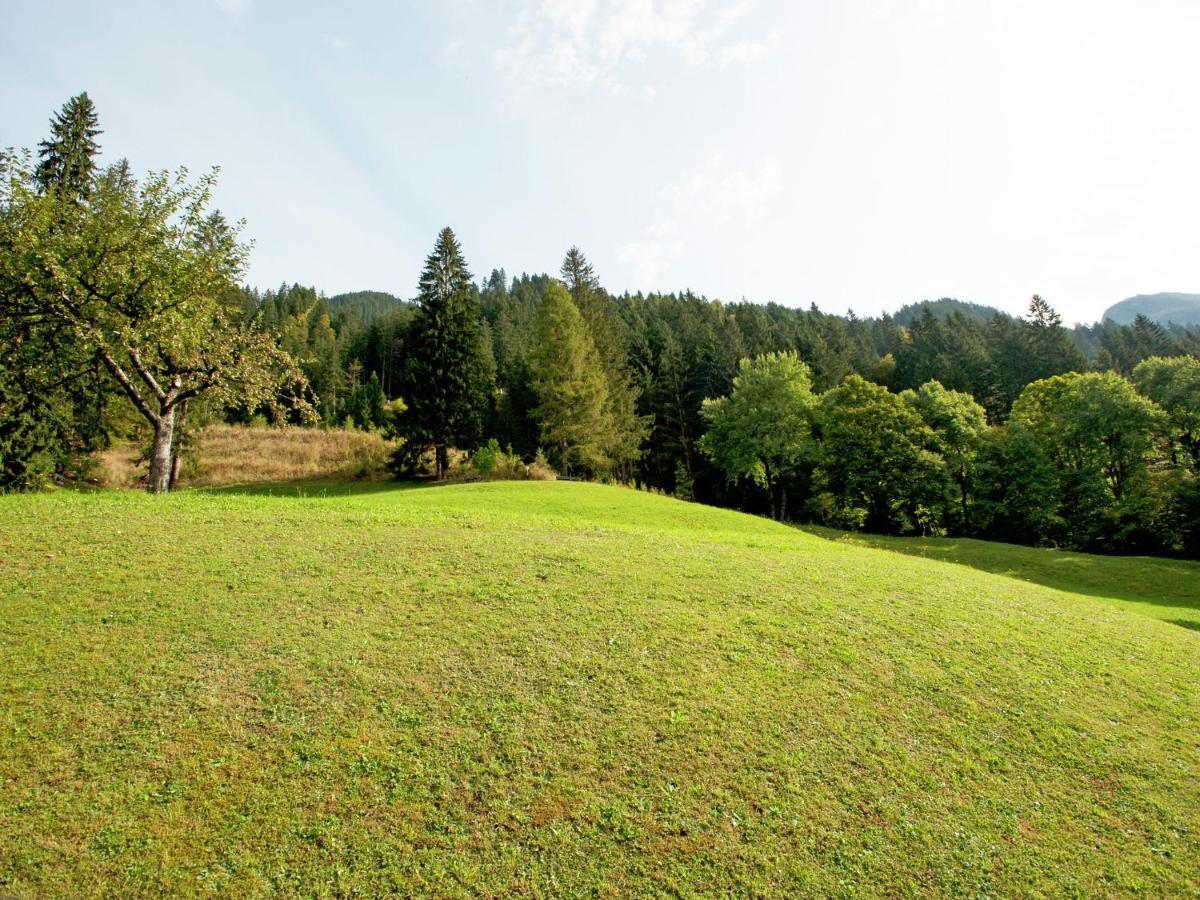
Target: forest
(124, 312)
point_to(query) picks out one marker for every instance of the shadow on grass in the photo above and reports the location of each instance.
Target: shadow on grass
(1171, 585)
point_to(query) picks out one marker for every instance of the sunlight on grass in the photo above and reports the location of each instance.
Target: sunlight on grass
(550, 688)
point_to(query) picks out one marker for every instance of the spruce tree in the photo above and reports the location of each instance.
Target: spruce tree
(68, 158)
(53, 397)
(611, 336)
(570, 386)
(1051, 351)
(446, 382)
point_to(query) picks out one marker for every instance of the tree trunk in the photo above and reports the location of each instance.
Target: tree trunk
(565, 455)
(160, 455)
(966, 513)
(442, 464)
(177, 451)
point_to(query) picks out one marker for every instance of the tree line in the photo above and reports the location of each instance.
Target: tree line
(123, 304)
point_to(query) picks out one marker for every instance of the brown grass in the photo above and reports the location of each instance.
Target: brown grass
(240, 454)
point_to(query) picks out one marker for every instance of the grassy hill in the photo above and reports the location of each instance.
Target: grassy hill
(551, 688)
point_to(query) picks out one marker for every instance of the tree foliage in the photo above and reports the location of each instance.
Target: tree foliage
(878, 467)
(569, 383)
(137, 278)
(445, 382)
(610, 334)
(762, 430)
(1098, 433)
(67, 159)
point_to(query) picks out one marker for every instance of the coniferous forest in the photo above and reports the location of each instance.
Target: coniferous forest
(124, 312)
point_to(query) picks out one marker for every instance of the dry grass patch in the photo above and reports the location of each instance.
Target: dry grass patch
(240, 454)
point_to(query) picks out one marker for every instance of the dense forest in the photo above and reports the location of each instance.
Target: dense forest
(123, 311)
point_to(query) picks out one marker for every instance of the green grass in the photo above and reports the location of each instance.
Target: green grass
(1165, 589)
(565, 689)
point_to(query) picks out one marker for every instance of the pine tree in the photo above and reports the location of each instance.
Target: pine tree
(1051, 351)
(570, 386)
(446, 383)
(611, 337)
(1152, 339)
(68, 158)
(54, 400)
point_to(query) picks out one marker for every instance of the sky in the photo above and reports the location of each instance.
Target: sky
(855, 154)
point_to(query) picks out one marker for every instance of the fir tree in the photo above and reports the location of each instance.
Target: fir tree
(446, 383)
(569, 383)
(1051, 351)
(68, 158)
(611, 337)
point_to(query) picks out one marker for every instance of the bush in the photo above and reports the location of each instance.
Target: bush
(485, 459)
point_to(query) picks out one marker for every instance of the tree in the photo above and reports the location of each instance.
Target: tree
(138, 278)
(1016, 496)
(1174, 384)
(68, 158)
(763, 428)
(445, 383)
(1051, 351)
(958, 424)
(569, 384)
(877, 460)
(611, 337)
(366, 404)
(54, 399)
(1098, 433)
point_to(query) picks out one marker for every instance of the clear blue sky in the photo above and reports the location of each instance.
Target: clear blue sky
(852, 153)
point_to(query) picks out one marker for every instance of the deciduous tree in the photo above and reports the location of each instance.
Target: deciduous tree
(763, 428)
(137, 278)
(877, 459)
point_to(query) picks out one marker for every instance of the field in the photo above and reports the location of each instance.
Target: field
(241, 454)
(565, 689)
(1164, 589)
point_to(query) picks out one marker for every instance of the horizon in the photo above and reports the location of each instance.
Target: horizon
(984, 155)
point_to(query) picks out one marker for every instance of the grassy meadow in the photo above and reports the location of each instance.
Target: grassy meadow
(569, 689)
(1163, 588)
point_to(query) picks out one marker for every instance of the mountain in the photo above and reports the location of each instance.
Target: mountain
(366, 305)
(942, 308)
(1182, 309)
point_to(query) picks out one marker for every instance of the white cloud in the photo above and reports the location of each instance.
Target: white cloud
(747, 53)
(591, 43)
(657, 248)
(234, 8)
(716, 197)
(725, 194)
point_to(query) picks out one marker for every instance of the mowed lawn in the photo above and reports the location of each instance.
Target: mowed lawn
(1166, 589)
(562, 689)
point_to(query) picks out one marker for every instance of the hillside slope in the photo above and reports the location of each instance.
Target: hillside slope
(1182, 309)
(561, 688)
(943, 308)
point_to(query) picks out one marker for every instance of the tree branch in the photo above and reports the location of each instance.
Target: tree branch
(130, 388)
(136, 359)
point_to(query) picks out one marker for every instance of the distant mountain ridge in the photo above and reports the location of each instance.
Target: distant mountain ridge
(1165, 308)
(942, 309)
(366, 305)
